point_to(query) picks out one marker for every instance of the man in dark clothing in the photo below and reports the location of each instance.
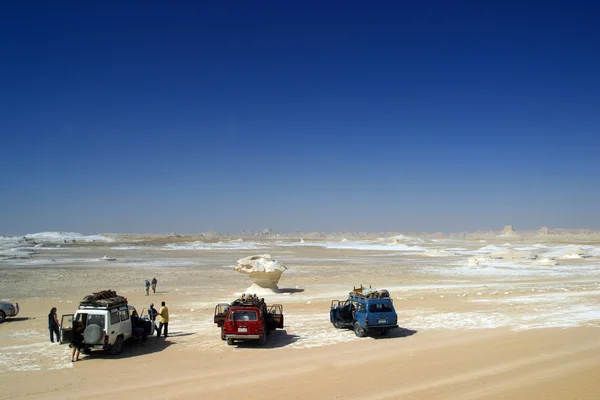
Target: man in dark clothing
(152, 313)
(53, 325)
(154, 282)
(137, 328)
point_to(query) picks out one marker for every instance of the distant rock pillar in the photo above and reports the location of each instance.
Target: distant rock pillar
(508, 229)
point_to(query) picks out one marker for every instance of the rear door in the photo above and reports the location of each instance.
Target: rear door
(66, 328)
(244, 322)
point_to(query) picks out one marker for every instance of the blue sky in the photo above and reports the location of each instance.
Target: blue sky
(397, 116)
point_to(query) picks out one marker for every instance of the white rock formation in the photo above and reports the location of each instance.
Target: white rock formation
(545, 261)
(438, 253)
(544, 230)
(576, 252)
(264, 272)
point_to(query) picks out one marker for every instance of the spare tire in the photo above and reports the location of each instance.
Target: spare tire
(93, 334)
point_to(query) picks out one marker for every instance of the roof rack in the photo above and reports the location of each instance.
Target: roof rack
(369, 293)
(248, 301)
(103, 299)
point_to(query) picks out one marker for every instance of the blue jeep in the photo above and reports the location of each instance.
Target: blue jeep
(365, 311)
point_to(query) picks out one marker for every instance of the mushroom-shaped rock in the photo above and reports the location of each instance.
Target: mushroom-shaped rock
(264, 272)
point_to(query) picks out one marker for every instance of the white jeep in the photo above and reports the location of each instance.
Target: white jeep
(106, 327)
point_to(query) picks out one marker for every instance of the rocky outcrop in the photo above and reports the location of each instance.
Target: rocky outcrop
(264, 271)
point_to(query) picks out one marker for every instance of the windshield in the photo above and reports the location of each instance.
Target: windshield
(381, 307)
(243, 316)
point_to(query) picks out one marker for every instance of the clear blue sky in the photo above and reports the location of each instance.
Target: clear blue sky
(155, 116)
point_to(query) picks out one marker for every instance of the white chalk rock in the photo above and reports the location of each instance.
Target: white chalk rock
(438, 253)
(264, 272)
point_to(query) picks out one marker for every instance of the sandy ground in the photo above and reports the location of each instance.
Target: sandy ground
(508, 330)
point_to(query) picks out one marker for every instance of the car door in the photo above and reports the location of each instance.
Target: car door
(66, 328)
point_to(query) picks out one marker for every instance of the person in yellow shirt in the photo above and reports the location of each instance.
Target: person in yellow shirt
(163, 320)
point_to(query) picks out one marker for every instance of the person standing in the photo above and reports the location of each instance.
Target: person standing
(154, 282)
(77, 343)
(163, 315)
(147, 287)
(53, 325)
(152, 313)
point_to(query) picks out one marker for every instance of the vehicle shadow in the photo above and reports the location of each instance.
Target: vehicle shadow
(276, 339)
(397, 333)
(180, 334)
(16, 319)
(134, 348)
(290, 290)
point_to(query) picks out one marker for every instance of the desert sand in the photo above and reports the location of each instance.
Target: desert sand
(488, 316)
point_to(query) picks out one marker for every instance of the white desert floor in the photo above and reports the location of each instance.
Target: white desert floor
(479, 320)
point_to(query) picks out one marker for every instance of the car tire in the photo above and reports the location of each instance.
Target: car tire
(338, 323)
(2, 316)
(117, 348)
(222, 333)
(358, 330)
(263, 339)
(230, 342)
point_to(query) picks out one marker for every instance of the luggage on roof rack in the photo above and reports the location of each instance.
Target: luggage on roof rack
(103, 299)
(369, 293)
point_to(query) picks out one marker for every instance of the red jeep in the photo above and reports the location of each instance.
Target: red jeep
(248, 318)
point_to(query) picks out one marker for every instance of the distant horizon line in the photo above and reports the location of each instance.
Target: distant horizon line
(270, 232)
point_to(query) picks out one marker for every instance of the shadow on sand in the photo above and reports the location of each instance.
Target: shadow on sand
(290, 290)
(396, 333)
(278, 338)
(133, 348)
(16, 319)
(180, 334)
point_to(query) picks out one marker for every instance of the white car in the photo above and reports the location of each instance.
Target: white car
(8, 309)
(106, 327)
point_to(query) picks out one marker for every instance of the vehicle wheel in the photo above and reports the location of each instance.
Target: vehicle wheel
(230, 342)
(263, 339)
(222, 333)
(338, 323)
(358, 330)
(2, 316)
(117, 347)
(86, 351)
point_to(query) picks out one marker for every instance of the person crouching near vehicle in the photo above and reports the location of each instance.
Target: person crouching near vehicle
(163, 320)
(77, 342)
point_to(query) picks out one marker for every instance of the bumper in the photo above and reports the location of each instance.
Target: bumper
(242, 337)
(377, 327)
(16, 310)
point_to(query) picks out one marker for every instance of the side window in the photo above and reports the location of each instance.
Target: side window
(114, 317)
(124, 315)
(361, 307)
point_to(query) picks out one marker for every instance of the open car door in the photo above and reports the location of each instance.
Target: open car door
(66, 328)
(276, 311)
(220, 314)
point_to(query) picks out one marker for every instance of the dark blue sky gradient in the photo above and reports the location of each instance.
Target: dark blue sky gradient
(438, 116)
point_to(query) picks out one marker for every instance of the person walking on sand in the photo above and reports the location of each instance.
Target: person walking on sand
(163, 318)
(53, 325)
(147, 287)
(154, 282)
